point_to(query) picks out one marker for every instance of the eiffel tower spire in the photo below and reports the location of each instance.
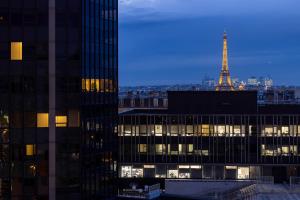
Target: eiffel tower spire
(225, 83)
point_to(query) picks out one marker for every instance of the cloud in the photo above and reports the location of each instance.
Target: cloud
(137, 10)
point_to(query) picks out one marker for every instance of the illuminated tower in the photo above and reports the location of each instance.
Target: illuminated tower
(225, 83)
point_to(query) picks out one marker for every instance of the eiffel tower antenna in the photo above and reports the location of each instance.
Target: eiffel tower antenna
(225, 83)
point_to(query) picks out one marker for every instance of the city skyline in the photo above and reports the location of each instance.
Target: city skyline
(186, 45)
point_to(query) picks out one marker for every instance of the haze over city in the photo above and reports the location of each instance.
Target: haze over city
(176, 41)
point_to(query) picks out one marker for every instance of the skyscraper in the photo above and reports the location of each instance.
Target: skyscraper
(225, 83)
(58, 98)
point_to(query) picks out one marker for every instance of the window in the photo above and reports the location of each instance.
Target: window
(174, 130)
(285, 150)
(160, 148)
(127, 130)
(237, 130)
(126, 171)
(142, 148)
(220, 130)
(266, 150)
(172, 173)
(30, 170)
(205, 130)
(73, 118)
(173, 149)
(229, 130)
(158, 130)
(293, 131)
(61, 121)
(243, 173)
(150, 129)
(201, 152)
(268, 131)
(30, 149)
(42, 120)
(294, 150)
(285, 130)
(16, 51)
(137, 172)
(135, 130)
(143, 130)
(160, 171)
(190, 148)
(184, 171)
(189, 130)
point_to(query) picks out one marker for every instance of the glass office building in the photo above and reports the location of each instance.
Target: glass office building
(210, 135)
(58, 98)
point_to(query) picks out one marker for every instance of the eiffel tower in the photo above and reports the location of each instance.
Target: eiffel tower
(225, 83)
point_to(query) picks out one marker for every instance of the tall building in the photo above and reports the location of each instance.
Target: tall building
(210, 135)
(58, 98)
(225, 83)
(253, 82)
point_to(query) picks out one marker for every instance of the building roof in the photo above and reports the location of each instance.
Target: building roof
(216, 102)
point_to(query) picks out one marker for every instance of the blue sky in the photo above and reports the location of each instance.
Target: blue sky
(180, 41)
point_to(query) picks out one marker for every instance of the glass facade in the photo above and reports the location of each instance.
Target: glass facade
(99, 98)
(48, 49)
(185, 146)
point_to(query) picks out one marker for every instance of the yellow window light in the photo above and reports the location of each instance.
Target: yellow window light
(42, 120)
(16, 50)
(97, 85)
(30, 149)
(61, 121)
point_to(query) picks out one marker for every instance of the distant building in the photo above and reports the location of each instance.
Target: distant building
(236, 83)
(252, 82)
(268, 83)
(210, 135)
(208, 83)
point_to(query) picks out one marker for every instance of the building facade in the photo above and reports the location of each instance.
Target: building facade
(58, 98)
(99, 99)
(210, 135)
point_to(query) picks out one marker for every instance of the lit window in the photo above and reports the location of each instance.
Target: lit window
(230, 167)
(16, 51)
(127, 130)
(285, 130)
(205, 130)
(174, 130)
(158, 130)
(196, 166)
(149, 166)
(268, 131)
(30, 149)
(243, 173)
(137, 172)
(42, 120)
(97, 85)
(135, 130)
(183, 166)
(294, 150)
(142, 148)
(172, 173)
(285, 150)
(220, 130)
(61, 121)
(202, 152)
(237, 130)
(189, 130)
(126, 171)
(160, 148)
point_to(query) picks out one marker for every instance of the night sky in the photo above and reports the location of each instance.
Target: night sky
(180, 41)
